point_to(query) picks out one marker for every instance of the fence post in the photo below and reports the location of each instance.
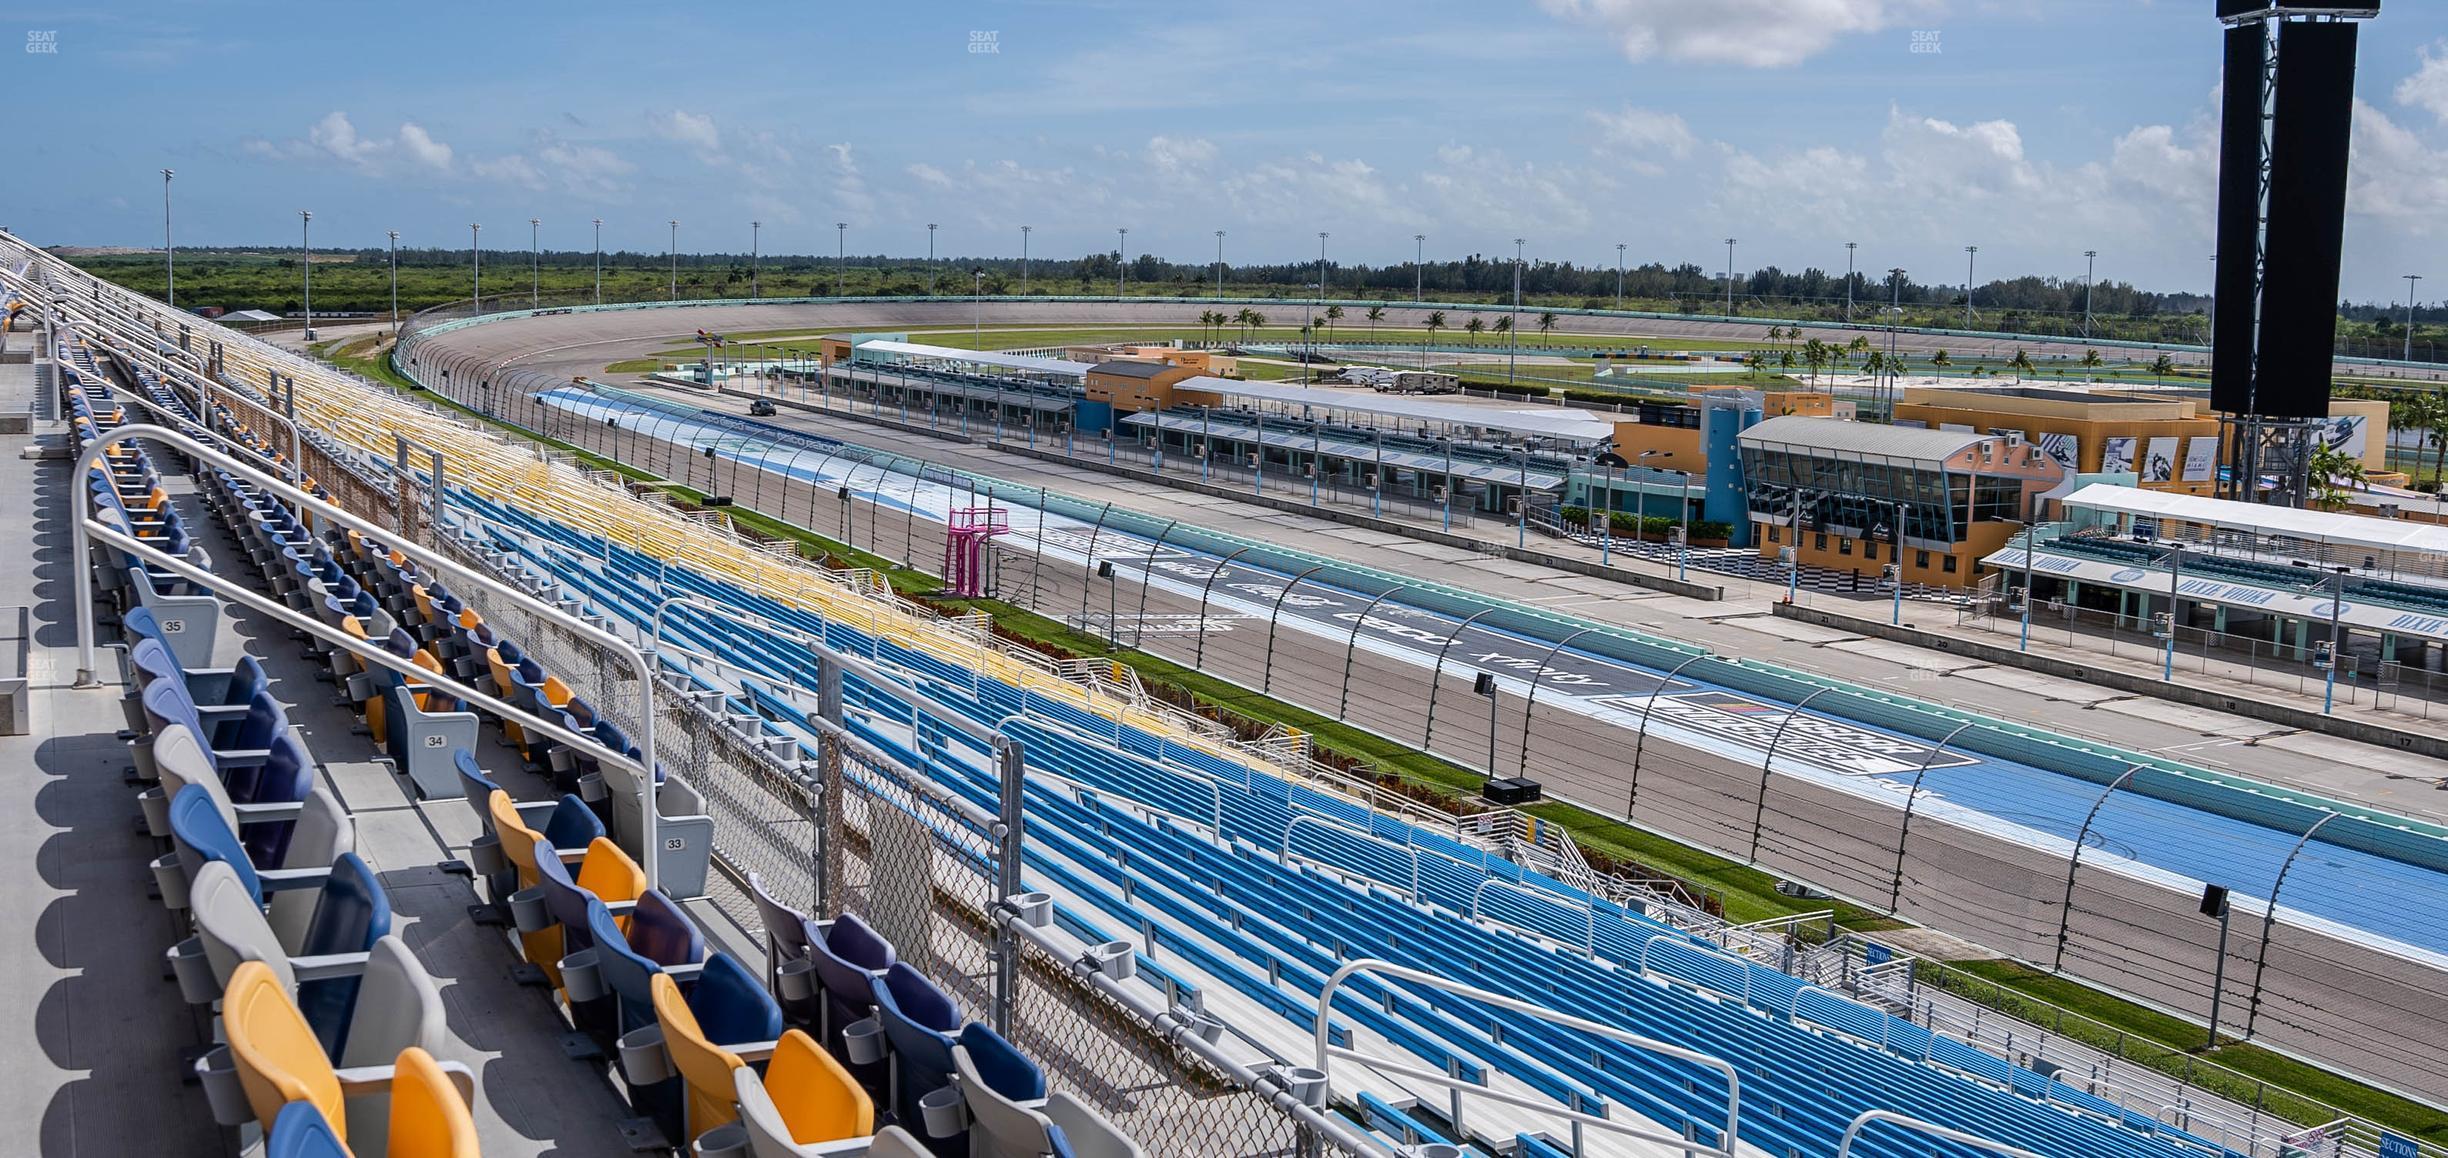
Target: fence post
(1895, 893)
(1343, 702)
(1640, 739)
(1266, 675)
(1531, 701)
(1759, 815)
(1436, 676)
(2065, 911)
(1010, 835)
(2269, 921)
(829, 783)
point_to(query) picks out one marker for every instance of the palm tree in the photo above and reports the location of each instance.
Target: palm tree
(2021, 364)
(1941, 361)
(1756, 361)
(1375, 315)
(1474, 327)
(2091, 362)
(1785, 359)
(1257, 322)
(1859, 345)
(2334, 472)
(1504, 323)
(1333, 314)
(2163, 366)
(1547, 323)
(1436, 321)
(1241, 318)
(1816, 354)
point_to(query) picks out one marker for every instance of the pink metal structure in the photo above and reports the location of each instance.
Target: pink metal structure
(964, 565)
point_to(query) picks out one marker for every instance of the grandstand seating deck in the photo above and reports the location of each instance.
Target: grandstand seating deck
(1239, 890)
(2279, 575)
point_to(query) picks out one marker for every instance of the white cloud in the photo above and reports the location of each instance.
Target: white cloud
(1310, 189)
(1180, 159)
(1754, 33)
(514, 169)
(696, 130)
(1642, 137)
(2427, 89)
(421, 148)
(1482, 189)
(335, 139)
(850, 193)
(930, 176)
(2395, 178)
(336, 136)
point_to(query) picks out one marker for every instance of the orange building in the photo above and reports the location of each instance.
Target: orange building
(2167, 441)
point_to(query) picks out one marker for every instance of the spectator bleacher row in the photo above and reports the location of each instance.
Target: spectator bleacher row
(1196, 848)
(2278, 575)
(1282, 925)
(307, 987)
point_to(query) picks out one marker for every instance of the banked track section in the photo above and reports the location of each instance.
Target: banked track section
(2347, 962)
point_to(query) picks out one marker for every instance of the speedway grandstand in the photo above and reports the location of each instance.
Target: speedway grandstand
(1006, 904)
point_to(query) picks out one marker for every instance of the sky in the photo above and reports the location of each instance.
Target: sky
(2034, 130)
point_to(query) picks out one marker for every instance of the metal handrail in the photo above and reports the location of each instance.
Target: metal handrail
(1411, 894)
(1589, 945)
(1844, 1149)
(1327, 1051)
(86, 528)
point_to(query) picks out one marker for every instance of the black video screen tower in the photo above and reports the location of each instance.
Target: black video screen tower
(2272, 357)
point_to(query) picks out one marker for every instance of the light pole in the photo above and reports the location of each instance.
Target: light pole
(1640, 496)
(599, 261)
(476, 264)
(1513, 332)
(977, 313)
(1121, 261)
(1308, 313)
(1971, 255)
(393, 234)
(841, 233)
(2214, 903)
(930, 259)
(169, 250)
(2090, 270)
(2031, 556)
(1419, 254)
(1895, 316)
(535, 262)
(2410, 279)
(1850, 247)
(1683, 557)
(2337, 653)
(306, 242)
(1024, 264)
(755, 229)
(2167, 665)
(1619, 270)
(1219, 263)
(1729, 277)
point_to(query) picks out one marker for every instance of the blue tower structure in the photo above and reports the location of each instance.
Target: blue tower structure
(1725, 414)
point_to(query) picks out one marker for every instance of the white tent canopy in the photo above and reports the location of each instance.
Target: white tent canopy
(2358, 531)
(1550, 422)
(913, 350)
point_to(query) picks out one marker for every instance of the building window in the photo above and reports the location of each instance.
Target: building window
(1844, 546)
(1773, 532)
(1921, 560)
(1870, 550)
(1819, 541)
(1950, 565)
